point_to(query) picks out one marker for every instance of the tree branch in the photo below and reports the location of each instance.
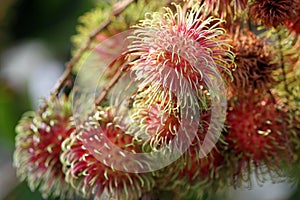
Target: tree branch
(118, 8)
(112, 82)
(282, 64)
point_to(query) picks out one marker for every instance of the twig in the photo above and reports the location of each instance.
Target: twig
(118, 8)
(112, 82)
(272, 96)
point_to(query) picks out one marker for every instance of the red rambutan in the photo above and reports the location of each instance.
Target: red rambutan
(157, 122)
(225, 8)
(192, 172)
(272, 13)
(179, 51)
(253, 73)
(257, 139)
(197, 168)
(96, 178)
(38, 148)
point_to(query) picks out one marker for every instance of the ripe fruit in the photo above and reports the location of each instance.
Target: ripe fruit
(38, 148)
(257, 138)
(96, 178)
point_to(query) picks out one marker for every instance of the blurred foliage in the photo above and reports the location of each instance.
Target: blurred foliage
(5, 20)
(51, 21)
(22, 192)
(11, 107)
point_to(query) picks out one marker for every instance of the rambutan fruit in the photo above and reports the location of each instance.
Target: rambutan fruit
(225, 9)
(38, 148)
(177, 52)
(191, 171)
(273, 13)
(154, 123)
(294, 23)
(96, 178)
(257, 140)
(253, 73)
(202, 168)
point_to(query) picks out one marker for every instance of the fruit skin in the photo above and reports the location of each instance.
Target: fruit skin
(257, 140)
(253, 73)
(97, 179)
(272, 13)
(191, 175)
(179, 50)
(38, 148)
(154, 123)
(226, 9)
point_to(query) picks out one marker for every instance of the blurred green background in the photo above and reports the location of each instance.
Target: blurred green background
(34, 45)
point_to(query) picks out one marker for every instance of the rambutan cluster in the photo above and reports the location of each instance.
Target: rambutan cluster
(193, 101)
(174, 82)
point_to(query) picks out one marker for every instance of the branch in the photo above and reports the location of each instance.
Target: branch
(112, 82)
(282, 64)
(271, 96)
(118, 8)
